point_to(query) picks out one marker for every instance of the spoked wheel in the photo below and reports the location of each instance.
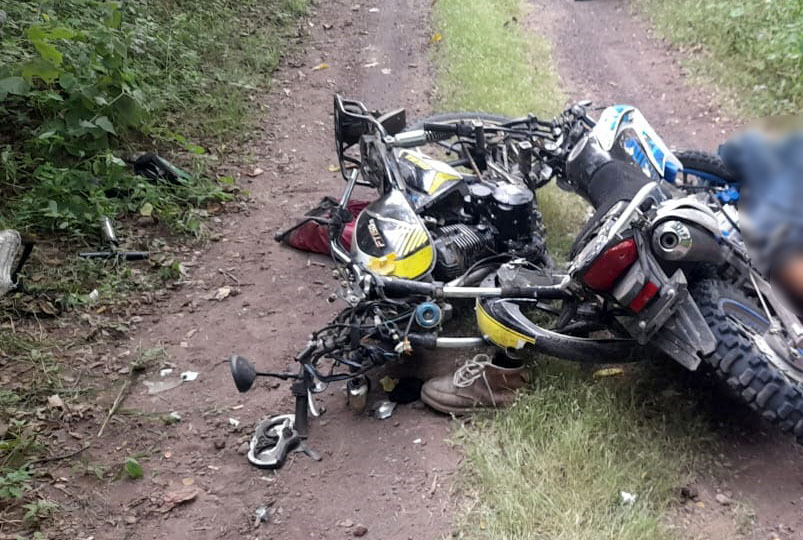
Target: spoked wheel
(762, 378)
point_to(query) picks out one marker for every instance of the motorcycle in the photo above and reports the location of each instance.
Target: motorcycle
(658, 267)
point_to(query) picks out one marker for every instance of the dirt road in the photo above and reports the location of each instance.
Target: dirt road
(372, 472)
(606, 53)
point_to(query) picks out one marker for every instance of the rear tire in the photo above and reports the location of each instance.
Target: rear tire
(754, 375)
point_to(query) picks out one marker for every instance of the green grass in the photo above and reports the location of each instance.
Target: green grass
(488, 64)
(754, 48)
(554, 464)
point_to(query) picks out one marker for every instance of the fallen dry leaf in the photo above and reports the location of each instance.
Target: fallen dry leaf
(608, 372)
(222, 293)
(172, 499)
(436, 37)
(55, 402)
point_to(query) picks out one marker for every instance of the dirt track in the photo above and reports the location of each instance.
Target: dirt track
(606, 54)
(371, 473)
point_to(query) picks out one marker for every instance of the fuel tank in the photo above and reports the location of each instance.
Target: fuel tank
(390, 239)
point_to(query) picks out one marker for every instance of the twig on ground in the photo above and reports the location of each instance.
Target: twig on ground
(114, 406)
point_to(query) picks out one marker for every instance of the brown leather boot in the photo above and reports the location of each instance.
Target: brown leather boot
(478, 383)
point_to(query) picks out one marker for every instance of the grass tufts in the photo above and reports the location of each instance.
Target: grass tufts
(752, 47)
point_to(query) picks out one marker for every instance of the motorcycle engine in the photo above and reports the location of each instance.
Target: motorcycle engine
(496, 218)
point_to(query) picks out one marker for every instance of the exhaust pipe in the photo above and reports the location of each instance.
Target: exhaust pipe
(679, 241)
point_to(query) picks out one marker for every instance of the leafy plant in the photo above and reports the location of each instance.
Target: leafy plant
(39, 509)
(14, 483)
(133, 468)
(84, 81)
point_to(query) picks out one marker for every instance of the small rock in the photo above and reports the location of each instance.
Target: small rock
(723, 499)
(346, 523)
(131, 520)
(243, 449)
(360, 530)
(220, 444)
(689, 492)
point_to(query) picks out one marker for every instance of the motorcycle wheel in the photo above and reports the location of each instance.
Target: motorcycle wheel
(751, 369)
(705, 162)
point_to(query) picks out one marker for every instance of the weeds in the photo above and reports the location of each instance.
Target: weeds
(553, 466)
(754, 47)
(83, 81)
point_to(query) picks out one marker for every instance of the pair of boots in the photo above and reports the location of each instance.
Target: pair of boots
(479, 383)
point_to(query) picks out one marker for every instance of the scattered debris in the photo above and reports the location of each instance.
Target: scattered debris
(370, 64)
(94, 295)
(385, 71)
(388, 383)
(165, 372)
(608, 372)
(187, 376)
(162, 386)
(55, 402)
(234, 422)
(436, 37)
(689, 492)
(172, 418)
(723, 499)
(360, 530)
(345, 523)
(627, 498)
(172, 499)
(261, 515)
(383, 409)
(373, 10)
(256, 172)
(221, 294)
(418, 441)
(320, 67)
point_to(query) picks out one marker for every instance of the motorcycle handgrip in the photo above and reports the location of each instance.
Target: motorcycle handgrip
(440, 128)
(406, 287)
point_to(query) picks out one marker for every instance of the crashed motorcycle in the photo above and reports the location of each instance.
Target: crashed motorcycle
(654, 269)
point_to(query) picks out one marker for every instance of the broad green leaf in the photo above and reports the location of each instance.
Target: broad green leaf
(146, 210)
(133, 469)
(41, 69)
(105, 124)
(13, 85)
(48, 52)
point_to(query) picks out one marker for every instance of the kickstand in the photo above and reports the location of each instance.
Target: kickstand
(304, 448)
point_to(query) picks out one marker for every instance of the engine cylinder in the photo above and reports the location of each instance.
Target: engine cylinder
(457, 248)
(511, 212)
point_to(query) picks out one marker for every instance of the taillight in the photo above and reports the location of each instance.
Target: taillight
(644, 296)
(610, 265)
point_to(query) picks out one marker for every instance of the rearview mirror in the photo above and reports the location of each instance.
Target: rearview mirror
(243, 372)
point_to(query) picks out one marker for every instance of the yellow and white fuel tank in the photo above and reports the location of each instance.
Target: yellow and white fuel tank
(390, 239)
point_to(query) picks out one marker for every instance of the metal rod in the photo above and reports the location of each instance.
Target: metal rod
(471, 292)
(458, 342)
